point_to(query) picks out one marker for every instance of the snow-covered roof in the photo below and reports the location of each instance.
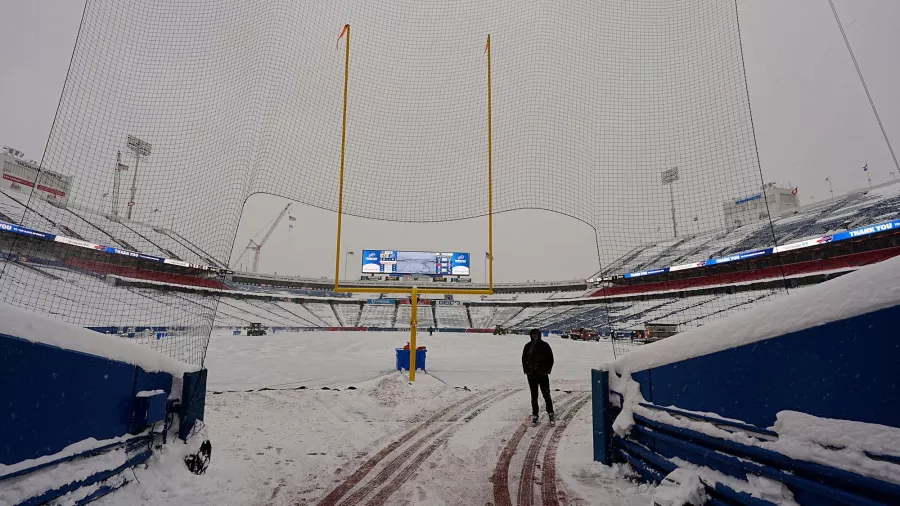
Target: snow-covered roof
(868, 289)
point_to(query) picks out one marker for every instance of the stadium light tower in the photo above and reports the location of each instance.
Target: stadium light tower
(116, 186)
(668, 178)
(140, 148)
(346, 261)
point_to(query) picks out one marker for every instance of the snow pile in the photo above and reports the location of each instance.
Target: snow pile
(679, 488)
(757, 486)
(862, 437)
(17, 490)
(805, 438)
(38, 328)
(868, 289)
(165, 476)
(73, 449)
(631, 399)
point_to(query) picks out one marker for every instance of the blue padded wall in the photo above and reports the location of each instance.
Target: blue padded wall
(51, 397)
(846, 369)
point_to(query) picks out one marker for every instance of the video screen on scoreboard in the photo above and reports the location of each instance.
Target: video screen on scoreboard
(415, 262)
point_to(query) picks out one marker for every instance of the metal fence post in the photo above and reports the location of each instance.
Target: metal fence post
(602, 426)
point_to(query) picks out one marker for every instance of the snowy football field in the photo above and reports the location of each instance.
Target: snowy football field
(438, 441)
(338, 359)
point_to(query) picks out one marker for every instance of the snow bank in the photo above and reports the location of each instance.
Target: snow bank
(82, 446)
(680, 487)
(17, 490)
(759, 487)
(38, 328)
(864, 437)
(801, 437)
(868, 289)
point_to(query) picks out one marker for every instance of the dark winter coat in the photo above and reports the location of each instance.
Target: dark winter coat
(540, 361)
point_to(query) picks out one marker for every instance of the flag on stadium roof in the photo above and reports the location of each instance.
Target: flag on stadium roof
(291, 218)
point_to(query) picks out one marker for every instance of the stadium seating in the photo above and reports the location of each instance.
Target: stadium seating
(424, 317)
(848, 211)
(732, 278)
(104, 268)
(377, 315)
(142, 305)
(324, 312)
(301, 313)
(348, 314)
(451, 316)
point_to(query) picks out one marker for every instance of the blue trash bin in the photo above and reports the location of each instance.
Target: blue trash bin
(403, 359)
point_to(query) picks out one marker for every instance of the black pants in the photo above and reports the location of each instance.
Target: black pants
(543, 381)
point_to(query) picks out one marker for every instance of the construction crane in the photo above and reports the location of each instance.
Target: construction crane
(255, 246)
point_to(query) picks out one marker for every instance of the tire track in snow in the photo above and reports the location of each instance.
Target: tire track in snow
(500, 477)
(385, 493)
(335, 495)
(526, 477)
(397, 462)
(549, 491)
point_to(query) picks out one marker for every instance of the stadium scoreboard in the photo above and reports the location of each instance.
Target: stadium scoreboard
(428, 263)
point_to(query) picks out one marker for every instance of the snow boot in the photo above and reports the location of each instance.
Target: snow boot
(534, 419)
(552, 418)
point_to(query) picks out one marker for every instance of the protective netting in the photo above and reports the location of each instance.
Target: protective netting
(593, 102)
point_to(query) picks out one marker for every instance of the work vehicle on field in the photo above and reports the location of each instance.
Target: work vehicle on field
(583, 334)
(256, 329)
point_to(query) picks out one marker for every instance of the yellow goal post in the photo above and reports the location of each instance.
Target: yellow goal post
(413, 290)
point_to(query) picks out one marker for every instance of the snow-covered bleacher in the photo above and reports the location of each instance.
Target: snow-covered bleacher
(377, 315)
(424, 317)
(324, 312)
(348, 314)
(481, 315)
(686, 312)
(451, 316)
(486, 317)
(855, 209)
(89, 225)
(300, 311)
(63, 296)
(521, 305)
(525, 314)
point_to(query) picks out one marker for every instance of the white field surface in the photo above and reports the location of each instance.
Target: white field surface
(289, 446)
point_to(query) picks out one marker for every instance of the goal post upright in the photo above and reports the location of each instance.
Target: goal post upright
(414, 291)
(340, 211)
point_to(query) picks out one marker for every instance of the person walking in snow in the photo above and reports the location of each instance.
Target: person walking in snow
(537, 363)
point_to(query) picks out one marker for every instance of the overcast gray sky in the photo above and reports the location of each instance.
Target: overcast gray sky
(811, 116)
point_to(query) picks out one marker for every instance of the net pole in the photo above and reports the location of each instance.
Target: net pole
(414, 300)
(340, 209)
(490, 176)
